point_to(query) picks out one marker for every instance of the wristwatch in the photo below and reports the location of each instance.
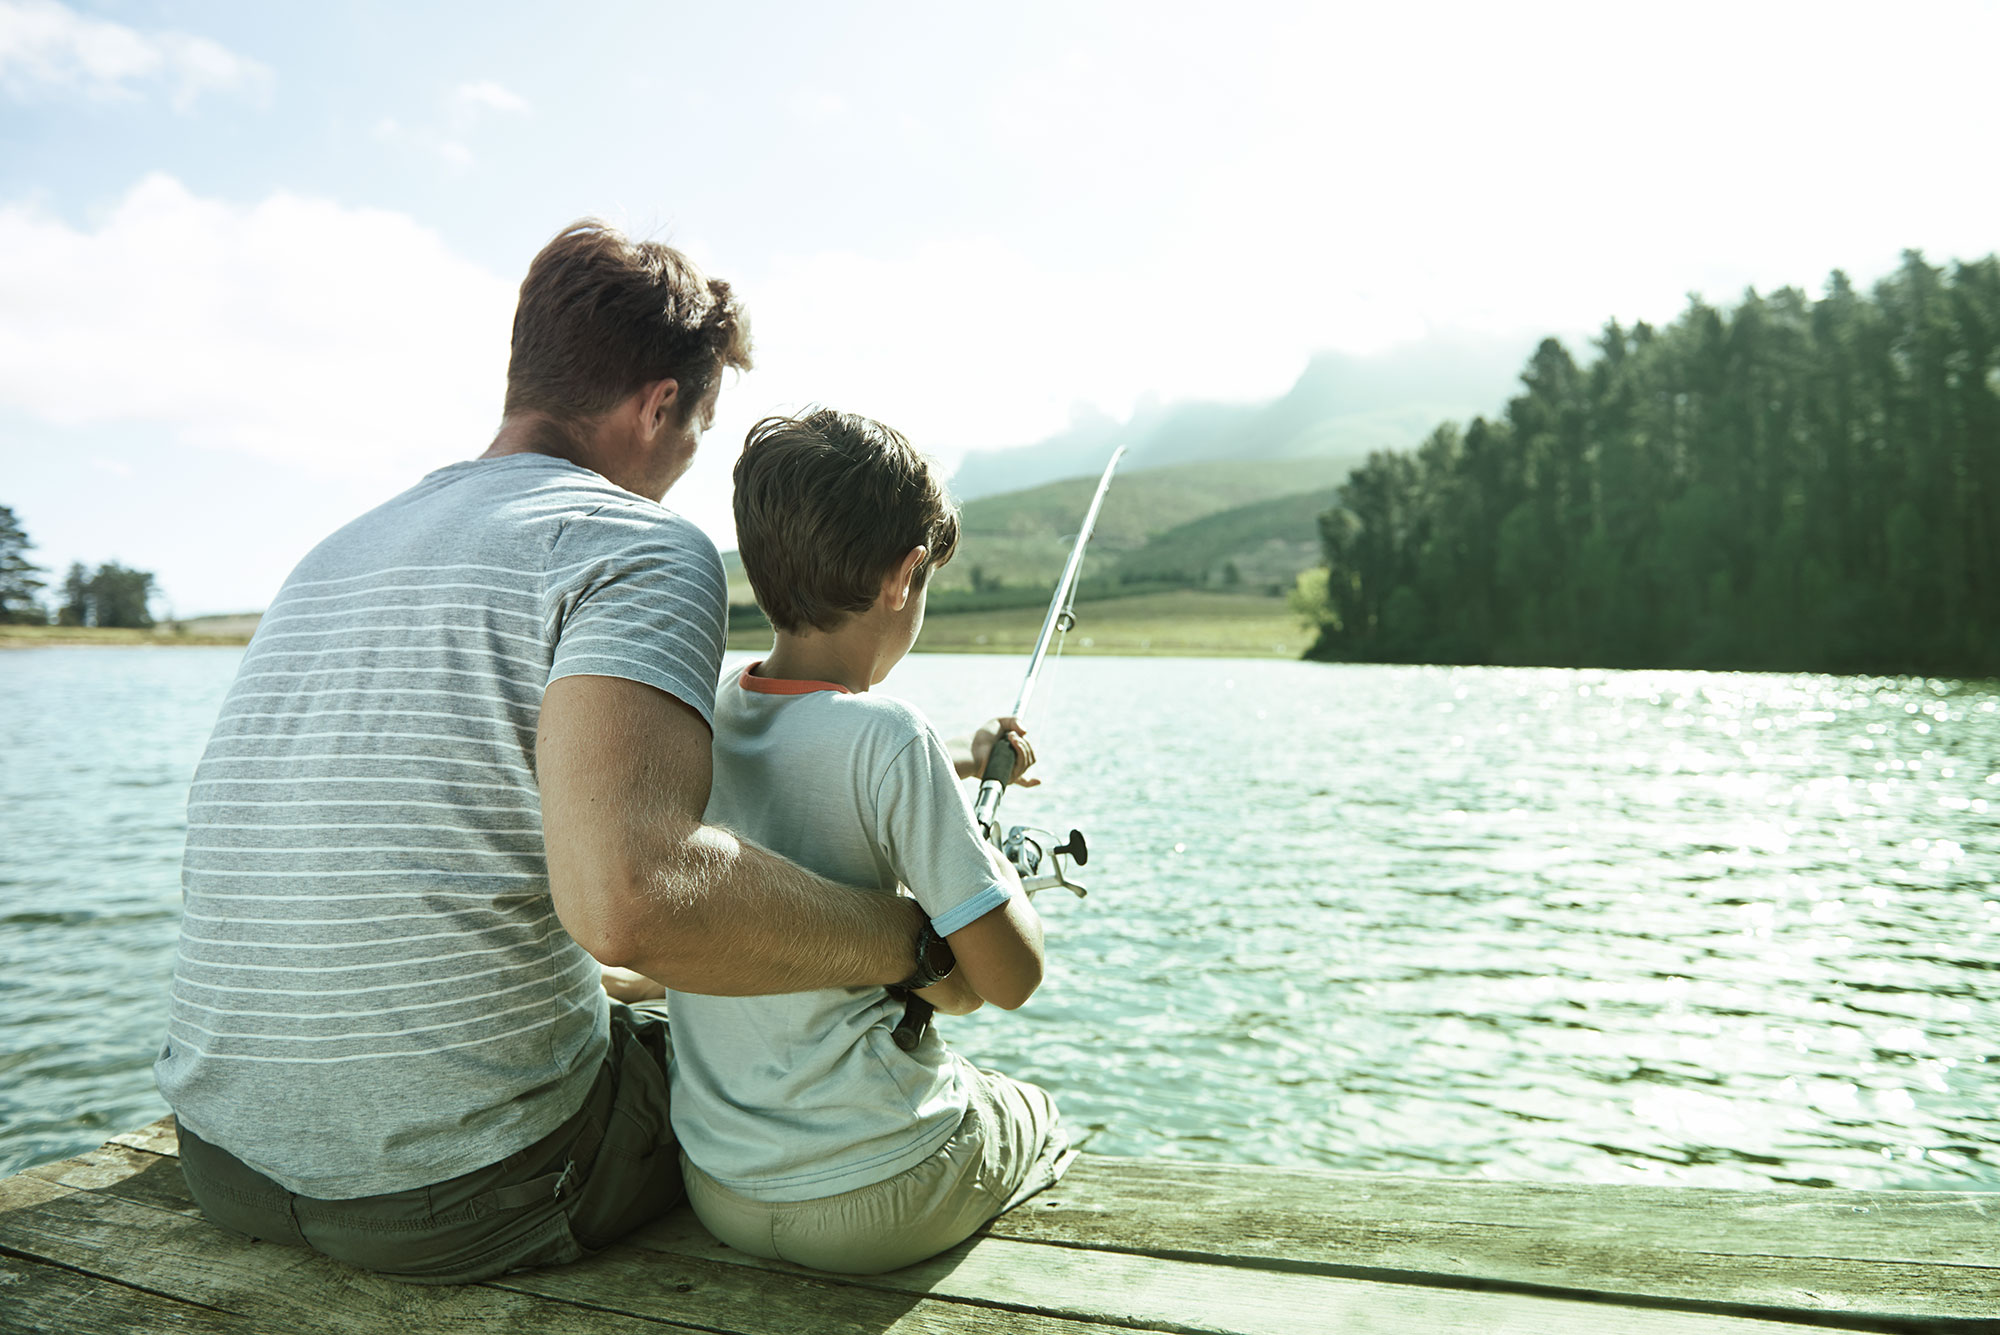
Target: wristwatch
(934, 959)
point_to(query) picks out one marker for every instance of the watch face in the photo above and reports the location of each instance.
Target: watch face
(935, 958)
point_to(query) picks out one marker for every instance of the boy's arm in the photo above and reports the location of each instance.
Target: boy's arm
(640, 882)
(972, 893)
(1000, 953)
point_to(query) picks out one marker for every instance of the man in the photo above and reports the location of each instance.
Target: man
(463, 762)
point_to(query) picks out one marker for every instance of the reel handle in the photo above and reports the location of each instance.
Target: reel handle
(909, 1030)
(1075, 850)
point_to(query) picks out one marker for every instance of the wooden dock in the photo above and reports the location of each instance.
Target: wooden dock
(110, 1242)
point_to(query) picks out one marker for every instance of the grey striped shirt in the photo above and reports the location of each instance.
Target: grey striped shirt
(373, 991)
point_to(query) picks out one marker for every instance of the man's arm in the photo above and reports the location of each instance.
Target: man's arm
(641, 883)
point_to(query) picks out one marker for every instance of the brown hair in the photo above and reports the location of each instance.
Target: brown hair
(601, 316)
(826, 504)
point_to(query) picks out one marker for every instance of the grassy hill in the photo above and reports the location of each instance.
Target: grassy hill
(1258, 545)
(1179, 525)
(1025, 536)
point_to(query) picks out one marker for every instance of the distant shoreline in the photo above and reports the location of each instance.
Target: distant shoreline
(1183, 623)
(163, 636)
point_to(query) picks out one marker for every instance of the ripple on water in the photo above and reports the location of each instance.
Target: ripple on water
(1721, 929)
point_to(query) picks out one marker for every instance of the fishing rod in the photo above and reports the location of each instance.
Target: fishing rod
(1028, 848)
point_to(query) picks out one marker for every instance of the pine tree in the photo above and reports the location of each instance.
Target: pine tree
(21, 581)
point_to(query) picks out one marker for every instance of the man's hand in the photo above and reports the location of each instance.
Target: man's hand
(970, 757)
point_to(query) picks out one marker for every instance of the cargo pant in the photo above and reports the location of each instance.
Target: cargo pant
(611, 1167)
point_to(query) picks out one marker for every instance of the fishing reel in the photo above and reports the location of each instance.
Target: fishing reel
(1042, 862)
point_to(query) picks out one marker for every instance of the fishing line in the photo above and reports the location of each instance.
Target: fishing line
(1035, 853)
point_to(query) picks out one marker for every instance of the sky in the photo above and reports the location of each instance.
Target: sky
(258, 262)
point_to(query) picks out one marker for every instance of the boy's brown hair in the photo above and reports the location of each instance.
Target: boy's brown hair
(827, 503)
(601, 316)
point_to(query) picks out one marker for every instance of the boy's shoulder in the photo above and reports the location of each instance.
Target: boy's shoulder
(891, 714)
(881, 717)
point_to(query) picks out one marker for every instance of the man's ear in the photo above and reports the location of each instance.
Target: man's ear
(659, 406)
(896, 584)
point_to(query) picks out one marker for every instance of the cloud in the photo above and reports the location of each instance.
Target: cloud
(467, 105)
(46, 47)
(348, 342)
(488, 96)
(453, 151)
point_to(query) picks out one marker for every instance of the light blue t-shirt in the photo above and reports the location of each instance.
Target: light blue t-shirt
(804, 1095)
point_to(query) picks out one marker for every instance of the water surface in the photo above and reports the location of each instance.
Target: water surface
(1716, 929)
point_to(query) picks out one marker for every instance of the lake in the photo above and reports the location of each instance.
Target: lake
(1705, 928)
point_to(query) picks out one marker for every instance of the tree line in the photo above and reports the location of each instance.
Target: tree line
(1788, 485)
(107, 595)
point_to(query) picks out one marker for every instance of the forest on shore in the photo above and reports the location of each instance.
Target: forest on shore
(1787, 485)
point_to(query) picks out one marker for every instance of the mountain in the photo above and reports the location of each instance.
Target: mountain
(1341, 405)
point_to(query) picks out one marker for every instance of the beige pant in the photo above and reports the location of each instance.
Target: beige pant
(1009, 1146)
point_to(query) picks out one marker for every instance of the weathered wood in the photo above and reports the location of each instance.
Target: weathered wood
(745, 1300)
(129, 1174)
(160, 1137)
(1121, 1245)
(287, 1288)
(48, 1300)
(1121, 1289)
(1874, 1225)
(620, 1289)
(1889, 1254)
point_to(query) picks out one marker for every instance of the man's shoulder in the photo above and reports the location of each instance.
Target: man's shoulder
(614, 522)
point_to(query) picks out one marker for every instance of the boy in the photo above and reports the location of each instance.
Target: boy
(808, 1134)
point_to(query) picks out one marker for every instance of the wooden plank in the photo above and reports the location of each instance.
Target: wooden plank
(1119, 1289)
(183, 1258)
(745, 1300)
(24, 1192)
(156, 1138)
(716, 1297)
(1886, 1254)
(1409, 1249)
(48, 1300)
(1805, 1221)
(600, 1294)
(129, 1174)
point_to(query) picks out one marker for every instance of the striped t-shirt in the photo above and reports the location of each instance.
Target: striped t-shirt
(373, 991)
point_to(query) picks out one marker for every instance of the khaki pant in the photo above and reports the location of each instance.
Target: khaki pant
(1009, 1146)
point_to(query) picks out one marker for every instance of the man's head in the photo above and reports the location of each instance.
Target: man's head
(829, 506)
(603, 319)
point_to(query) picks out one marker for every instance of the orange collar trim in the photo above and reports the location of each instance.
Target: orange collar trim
(784, 686)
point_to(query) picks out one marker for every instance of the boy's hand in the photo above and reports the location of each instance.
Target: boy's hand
(990, 732)
(629, 987)
(954, 996)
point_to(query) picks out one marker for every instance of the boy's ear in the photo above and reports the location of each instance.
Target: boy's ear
(896, 584)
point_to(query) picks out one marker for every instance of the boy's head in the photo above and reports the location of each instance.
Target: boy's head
(828, 504)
